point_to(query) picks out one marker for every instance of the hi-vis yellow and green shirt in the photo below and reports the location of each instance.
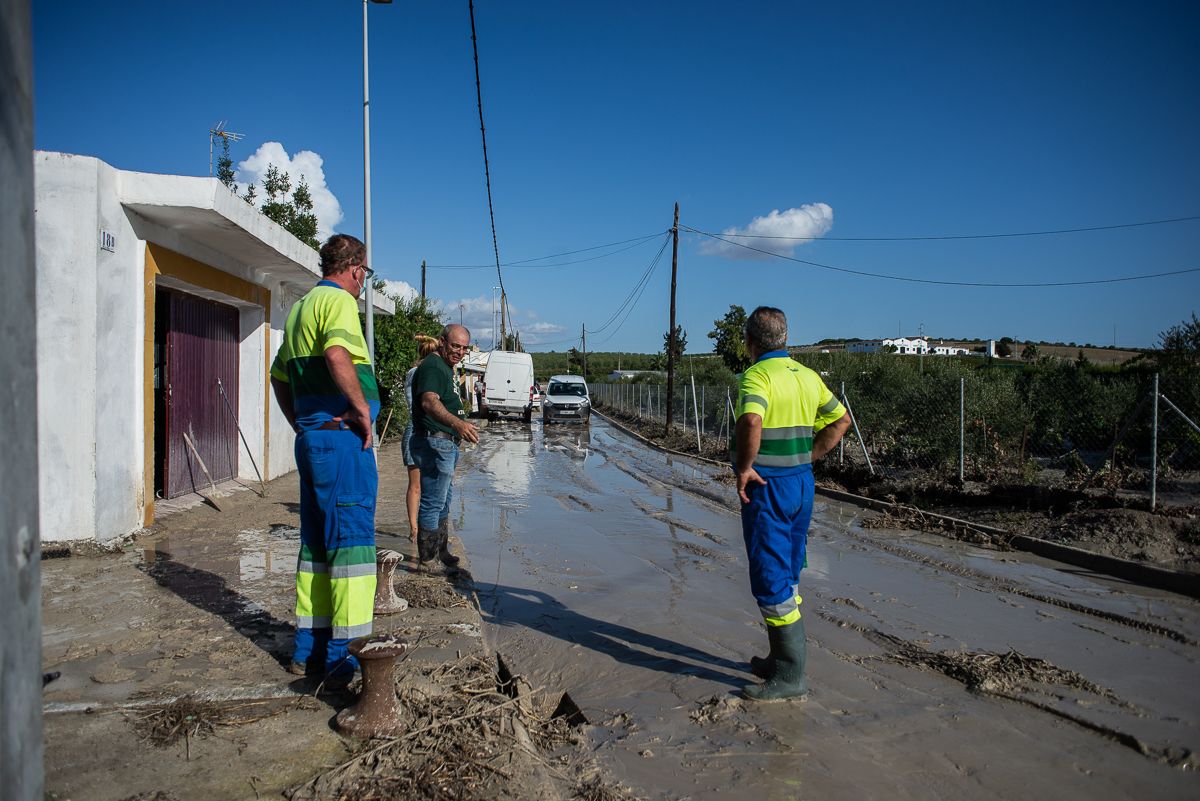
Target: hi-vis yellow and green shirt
(325, 317)
(794, 404)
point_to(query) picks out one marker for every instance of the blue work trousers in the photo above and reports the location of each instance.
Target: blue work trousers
(335, 574)
(436, 459)
(775, 530)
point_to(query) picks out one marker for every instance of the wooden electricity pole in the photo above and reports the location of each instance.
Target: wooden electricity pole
(422, 279)
(671, 330)
(583, 333)
(503, 327)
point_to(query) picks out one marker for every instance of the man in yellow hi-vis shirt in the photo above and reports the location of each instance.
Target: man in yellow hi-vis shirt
(325, 385)
(787, 419)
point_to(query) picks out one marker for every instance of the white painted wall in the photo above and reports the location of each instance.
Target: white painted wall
(20, 565)
(91, 328)
(66, 189)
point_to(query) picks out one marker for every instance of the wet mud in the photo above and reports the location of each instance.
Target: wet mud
(939, 670)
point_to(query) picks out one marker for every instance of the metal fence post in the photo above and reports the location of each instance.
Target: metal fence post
(842, 441)
(685, 406)
(962, 427)
(1154, 450)
(861, 442)
(703, 412)
(696, 415)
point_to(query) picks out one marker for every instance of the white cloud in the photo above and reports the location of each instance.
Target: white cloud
(400, 290)
(305, 163)
(804, 224)
(476, 315)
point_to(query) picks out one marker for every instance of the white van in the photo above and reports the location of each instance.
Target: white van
(509, 382)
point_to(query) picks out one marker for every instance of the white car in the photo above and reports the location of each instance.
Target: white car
(566, 398)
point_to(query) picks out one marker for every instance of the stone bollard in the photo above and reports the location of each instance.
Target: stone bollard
(387, 602)
(377, 712)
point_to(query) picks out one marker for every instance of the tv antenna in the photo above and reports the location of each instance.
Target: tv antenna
(218, 130)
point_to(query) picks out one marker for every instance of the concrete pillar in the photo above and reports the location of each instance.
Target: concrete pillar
(20, 549)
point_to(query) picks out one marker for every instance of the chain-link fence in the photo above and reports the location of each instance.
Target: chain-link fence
(945, 421)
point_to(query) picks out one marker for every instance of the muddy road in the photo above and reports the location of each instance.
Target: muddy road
(939, 670)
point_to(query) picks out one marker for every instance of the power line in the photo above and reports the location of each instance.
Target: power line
(487, 173)
(636, 295)
(910, 279)
(640, 284)
(958, 236)
(637, 241)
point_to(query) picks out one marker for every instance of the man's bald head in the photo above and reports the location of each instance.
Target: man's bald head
(453, 342)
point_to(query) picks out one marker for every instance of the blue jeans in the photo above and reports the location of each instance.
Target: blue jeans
(435, 458)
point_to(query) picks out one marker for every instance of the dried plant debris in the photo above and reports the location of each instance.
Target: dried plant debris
(901, 516)
(430, 594)
(983, 671)
(153, 795)
(469, 736)
(190, 717)
(1027, 680)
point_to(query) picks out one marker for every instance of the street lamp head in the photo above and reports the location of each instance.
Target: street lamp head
(382, 2)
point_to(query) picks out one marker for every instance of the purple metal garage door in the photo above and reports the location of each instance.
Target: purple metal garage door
(202, 346)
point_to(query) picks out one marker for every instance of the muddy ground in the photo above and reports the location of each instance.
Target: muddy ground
(611, 580)
(168, 654)
(1104, 521)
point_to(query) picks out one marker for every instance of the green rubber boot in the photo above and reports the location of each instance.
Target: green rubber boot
(788, 653)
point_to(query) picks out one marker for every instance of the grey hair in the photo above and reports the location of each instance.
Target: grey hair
(766, 328)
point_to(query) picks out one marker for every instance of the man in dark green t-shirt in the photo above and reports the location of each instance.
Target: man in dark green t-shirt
(439, 424)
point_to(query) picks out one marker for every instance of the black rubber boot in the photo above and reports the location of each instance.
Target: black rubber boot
(789, 651)
(427, 544)
(443, 531)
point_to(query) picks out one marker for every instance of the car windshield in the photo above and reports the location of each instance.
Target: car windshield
(561, 388)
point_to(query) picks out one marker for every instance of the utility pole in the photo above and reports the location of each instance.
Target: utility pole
(503, 328)
(422, 279)
(671, 330)
(583, 333)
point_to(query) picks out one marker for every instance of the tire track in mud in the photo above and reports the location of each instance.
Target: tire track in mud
(1002, 585)
(1006, 676)
(659, 514)
(959, 570)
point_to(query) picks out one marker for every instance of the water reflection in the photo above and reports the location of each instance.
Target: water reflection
(574, 441)
(509, 463)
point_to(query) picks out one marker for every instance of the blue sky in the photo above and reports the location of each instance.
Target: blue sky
(903, 120)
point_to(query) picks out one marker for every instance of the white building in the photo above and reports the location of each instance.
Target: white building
(950, 350)
(160, 305)
(902, 345)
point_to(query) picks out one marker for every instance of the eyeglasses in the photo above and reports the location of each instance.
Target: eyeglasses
(369, 272)
(456, 346)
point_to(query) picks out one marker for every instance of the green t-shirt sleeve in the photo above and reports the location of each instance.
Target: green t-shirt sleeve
(430, 378)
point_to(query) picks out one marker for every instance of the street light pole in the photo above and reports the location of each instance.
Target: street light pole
(370, 299)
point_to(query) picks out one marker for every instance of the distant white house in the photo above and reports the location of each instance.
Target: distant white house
(950, 350)
(902, 345)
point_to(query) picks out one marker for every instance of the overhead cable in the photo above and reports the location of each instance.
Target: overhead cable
(487, 173)
(958, 236)
(641, 283)
(638, 241)
(910, 279)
